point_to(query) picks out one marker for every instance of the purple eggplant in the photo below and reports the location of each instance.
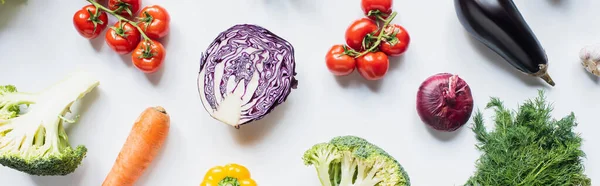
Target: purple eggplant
(499, 25)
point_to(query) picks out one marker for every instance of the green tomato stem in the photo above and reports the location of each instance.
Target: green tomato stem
(379, 37)
(349, 51)
(380, 17)
(121, 18)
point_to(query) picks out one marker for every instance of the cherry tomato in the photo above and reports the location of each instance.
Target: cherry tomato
(400, 43)
(356, 32)
(384, 6)
(132, 5)
(122, 37)
(339, 63)
(148, 57)
(155, 21)
(373, 65)
(88, 24)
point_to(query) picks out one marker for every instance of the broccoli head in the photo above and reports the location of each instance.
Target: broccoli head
(35, 141)
(353, 161)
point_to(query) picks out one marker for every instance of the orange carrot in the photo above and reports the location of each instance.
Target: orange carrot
(143, 143)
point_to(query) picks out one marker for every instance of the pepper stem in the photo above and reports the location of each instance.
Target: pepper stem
(229, 181)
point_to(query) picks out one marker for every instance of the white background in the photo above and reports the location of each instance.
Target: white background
(38, 46)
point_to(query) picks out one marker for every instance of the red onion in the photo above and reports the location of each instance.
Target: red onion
(444, 102)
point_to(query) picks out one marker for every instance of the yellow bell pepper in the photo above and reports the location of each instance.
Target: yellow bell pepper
(228, 175)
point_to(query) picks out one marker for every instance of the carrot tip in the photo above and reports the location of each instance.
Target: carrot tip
(160, 109)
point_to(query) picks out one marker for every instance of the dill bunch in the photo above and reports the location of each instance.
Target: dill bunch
(528, 147)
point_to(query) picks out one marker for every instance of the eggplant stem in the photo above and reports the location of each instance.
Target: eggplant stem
(546, 77)
(543, 73)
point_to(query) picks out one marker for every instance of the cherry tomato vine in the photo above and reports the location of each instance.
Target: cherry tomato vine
(369, 42)
(138, 37)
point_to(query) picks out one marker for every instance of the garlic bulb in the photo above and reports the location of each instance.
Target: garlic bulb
(590, 58)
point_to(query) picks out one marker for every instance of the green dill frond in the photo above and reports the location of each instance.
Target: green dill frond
(479, 127)
(503, 116)
(528, 147)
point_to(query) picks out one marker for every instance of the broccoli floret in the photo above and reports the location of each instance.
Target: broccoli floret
(35, 141)
(8, 111)
(353, 161)
(322, 156)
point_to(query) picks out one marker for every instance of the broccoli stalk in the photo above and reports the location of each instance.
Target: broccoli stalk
(368, 170)
(35, 142)
(353, 161)
(348, 168)
(321, 156)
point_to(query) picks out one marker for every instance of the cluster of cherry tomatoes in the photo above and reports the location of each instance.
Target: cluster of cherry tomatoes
(133, 34)
(369, 42)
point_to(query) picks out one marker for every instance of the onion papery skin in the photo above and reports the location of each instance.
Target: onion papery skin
(444, 102)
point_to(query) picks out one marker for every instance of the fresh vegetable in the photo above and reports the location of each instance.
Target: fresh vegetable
(245, 73)
(229, 175)
(369, 42)
(125, 7)
(155, 21)
(397, 44)
(373, 65)
(444, 102)
(499, 25)
(90, 22)
(527, 147)
(338, 62)
(353, 161)
(122, 37)
(148, 56)
(590, 58)
(357, 31)
(127, 34)
(373, 7)
(147, 137)
(35, 142)
(372, 41)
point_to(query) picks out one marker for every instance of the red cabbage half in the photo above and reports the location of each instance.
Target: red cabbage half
(245, 73)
